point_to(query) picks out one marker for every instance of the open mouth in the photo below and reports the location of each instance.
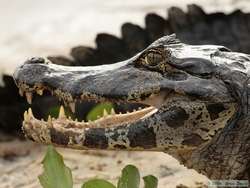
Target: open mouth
(144, 109)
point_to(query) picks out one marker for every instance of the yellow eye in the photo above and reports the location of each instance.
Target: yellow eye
(153, 58)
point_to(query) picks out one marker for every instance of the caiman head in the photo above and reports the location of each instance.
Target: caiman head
(187, 101)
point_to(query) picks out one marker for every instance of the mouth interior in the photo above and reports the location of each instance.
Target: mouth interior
(147, 108)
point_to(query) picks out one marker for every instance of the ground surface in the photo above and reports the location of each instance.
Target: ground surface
(22, 170)
(30, 28)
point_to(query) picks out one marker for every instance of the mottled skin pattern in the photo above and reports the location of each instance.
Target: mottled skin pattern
(199, 94)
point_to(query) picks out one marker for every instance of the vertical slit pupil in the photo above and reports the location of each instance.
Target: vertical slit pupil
(154, 58)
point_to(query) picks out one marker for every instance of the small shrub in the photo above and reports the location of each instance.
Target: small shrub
(57, 175)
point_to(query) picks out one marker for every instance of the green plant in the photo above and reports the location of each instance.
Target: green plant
(98, 111)
(57, 175)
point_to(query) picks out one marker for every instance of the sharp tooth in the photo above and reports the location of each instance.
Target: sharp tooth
(105, 113)
(50, 121)
(39, 91)
(112, 111)
(69, 118)
(29, 97)
(61, 113)
(139, 108)
(25, 116)
(76, 119)
(72, 106)
(21, 92)
(98, 117)
(30, 113)
(134, 110)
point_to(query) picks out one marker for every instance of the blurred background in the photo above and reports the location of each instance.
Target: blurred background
(92, 32)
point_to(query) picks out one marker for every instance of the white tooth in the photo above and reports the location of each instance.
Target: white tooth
(105, 113)
(21, 92)
(98, 117)
(72, 106)
(112, 111)
(61, 113)
(29, 97)
(50, 121)
(30, 113)
(128, 112)
(139, 108)
(25, 116)
(39, 91)
(76, 119)
(134, 110)
(69, 118)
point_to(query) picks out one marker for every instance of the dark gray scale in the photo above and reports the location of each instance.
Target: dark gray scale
(192, 140)
(214, 110)
(175, 117)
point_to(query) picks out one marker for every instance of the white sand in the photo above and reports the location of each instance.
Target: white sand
(23, 171)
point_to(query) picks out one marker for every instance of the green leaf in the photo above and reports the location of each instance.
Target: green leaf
(56, 174)
(150, 181)
(98, 111)
(97, 183)
(130, 178)
(54, 111)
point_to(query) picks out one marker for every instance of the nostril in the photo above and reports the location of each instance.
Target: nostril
(35, 60)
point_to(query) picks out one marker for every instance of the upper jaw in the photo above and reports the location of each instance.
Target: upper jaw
(118, 82)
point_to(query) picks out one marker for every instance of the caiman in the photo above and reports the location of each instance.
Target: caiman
(195, 96)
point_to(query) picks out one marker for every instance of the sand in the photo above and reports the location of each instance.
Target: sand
(20, 164)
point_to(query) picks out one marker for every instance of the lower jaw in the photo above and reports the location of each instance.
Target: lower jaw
(65, 132)
(107, 120)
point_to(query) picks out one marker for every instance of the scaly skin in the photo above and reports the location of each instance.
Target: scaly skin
(198, 97)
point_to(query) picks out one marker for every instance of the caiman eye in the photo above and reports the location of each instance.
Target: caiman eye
(153, 58)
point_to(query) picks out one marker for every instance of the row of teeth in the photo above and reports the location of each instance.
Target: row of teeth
(28, 115)
(29, 97)
(72, 105)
